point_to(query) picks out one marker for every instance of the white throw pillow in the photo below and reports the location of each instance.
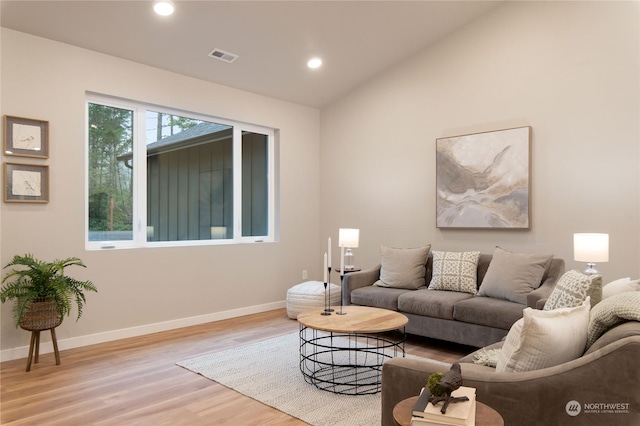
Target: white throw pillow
(542, 339)
(455, 271)
(621, 285)
(403, 268)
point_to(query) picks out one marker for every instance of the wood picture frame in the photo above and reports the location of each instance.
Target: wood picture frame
(483, 180)
(26, 137)
(26, 183)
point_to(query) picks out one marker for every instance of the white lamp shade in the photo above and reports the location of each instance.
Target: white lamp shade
(348, 237)
(591, 247)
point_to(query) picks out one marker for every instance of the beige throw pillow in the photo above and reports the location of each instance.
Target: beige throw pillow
(455, 271)
(542, 339)
(572, 289)
(403, 268)
(511, 276)
(618, 286)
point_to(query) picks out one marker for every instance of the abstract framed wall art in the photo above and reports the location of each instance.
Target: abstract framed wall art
(483, 180)
(26, 183)
(25, 137)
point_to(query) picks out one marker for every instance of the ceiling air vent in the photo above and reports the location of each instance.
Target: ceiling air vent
(223, 56)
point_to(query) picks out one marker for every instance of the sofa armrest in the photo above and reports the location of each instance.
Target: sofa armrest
(356, 280)
(537, 298)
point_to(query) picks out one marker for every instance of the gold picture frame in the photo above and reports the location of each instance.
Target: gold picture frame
(26, 137)
(26, 183)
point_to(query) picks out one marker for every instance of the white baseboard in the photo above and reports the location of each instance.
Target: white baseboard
(108, 336)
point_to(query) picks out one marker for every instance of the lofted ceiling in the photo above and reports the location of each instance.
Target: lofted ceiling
(273, 39)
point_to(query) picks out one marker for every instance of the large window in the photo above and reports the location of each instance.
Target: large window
(158, 177)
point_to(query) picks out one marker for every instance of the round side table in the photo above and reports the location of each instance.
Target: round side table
(485, 415)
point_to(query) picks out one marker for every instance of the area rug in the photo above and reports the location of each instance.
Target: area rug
(269, 372)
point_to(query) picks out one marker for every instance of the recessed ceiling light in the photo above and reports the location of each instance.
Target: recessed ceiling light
(314, 63)
(163, 7)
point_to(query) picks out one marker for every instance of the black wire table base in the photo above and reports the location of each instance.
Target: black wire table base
(347, 363)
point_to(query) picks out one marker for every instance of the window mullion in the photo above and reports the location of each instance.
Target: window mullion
(237, 183)
(140, 180)
(271, 177)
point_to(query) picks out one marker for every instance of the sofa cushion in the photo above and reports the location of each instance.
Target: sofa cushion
(403, 268)
(511, 276)
(378, 297)
(431, 303)
(621, 285)
(498, 313)
(543, 339)
(455, 271)
(572, 289)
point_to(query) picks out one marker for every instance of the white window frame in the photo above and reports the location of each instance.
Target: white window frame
(140, 177)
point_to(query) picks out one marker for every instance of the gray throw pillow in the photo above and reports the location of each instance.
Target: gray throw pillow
(403, 268)
(511, 276)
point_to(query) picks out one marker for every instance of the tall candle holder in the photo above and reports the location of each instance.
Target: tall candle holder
(328, 310)
(341, 312)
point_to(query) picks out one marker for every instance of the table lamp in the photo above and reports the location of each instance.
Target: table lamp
(348, 238)
(591, 248)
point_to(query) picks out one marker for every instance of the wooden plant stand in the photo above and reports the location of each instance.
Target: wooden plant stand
(40, 317)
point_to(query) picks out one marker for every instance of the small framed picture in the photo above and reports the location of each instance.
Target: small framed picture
(25, 137)
(26, 183)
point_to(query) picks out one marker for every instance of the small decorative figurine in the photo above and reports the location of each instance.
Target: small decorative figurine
(441, 385)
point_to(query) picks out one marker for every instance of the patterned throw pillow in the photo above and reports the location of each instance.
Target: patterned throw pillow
(455, 271)
(572, 289)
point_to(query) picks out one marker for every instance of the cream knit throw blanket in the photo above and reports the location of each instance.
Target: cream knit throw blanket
(613, 311)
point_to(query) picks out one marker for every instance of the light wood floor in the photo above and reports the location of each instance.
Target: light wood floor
(136, 382)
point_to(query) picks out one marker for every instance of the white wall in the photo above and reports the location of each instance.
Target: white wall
(570, 70)
(149, 289)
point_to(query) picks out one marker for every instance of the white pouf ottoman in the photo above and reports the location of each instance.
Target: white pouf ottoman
(309, 295)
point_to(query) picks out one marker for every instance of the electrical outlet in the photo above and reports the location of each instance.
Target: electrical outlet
(304, 274)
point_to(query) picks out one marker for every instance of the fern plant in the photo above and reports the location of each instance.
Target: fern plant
(40, 281)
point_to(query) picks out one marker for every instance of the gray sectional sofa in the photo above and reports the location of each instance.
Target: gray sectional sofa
(456, 316)
(602, 387)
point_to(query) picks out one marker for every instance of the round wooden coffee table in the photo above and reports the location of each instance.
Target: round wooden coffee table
(344, 353)
(485, 415)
